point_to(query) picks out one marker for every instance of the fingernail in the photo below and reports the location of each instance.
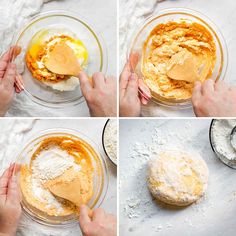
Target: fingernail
(144, 101)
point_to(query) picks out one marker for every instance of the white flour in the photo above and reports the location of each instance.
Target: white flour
(221, 131)
(13, 134)
(52, 163)
(110, 139)
(48, 165)
(139, 203)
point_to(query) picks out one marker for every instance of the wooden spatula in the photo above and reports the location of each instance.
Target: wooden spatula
(68, 190)
(183, 68)
(62, 60)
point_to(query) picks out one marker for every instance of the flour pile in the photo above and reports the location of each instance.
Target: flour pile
(52, 163)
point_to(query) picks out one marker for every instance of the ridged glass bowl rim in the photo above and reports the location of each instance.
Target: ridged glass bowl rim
(75, 16)
(76, 134)
(203, 19)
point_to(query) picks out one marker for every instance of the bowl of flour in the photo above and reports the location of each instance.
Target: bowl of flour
(109, 139)
(51, 156)
(220, 133)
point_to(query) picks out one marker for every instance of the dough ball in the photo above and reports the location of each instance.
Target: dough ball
(177, 178)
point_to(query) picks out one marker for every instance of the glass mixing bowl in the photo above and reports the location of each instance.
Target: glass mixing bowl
(175, 14)
(100, 179)
(97, 60)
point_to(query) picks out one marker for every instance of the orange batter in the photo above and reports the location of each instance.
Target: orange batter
(169, 45)
(81, 153)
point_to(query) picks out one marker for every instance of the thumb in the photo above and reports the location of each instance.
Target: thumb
(85, 83)
(132, 86)
(13, 193)
(196, 90)
(84, 218)
(9, 76)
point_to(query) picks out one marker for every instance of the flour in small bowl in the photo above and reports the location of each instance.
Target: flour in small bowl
(110, 139)
(220, 133)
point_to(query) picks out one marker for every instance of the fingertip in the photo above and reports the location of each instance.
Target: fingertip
(82, 75)
(82, 207)
(197, 86)
(17, 50)
(133, 59)
(85, 83)
(197, 83)
(83, 215)
(98, 74)
(144, 101)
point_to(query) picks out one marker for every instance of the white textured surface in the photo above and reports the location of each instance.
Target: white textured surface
(140, 214)
(222, 13)
(15, 133)
(101, 14)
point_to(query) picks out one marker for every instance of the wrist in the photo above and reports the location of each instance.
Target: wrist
(2, 113)
(8, 231)
(7, 234)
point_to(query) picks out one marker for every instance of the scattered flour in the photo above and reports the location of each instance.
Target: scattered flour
(139, 203)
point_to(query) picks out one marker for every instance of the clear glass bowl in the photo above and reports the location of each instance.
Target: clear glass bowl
(176, 14)
(100, 179)
(97, 61)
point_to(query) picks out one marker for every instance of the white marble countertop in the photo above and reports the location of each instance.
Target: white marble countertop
(140, 214)
(15, 133)
(102, 15)
(220, 12)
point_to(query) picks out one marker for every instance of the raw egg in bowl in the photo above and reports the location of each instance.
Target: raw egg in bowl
(37, 40)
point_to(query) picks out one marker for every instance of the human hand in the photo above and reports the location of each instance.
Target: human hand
(100, 94)
(97, 223)
(215, 99)
(10, 81)
(130, 99)
(10, 197)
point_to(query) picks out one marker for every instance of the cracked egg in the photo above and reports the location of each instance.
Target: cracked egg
(38, 51)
